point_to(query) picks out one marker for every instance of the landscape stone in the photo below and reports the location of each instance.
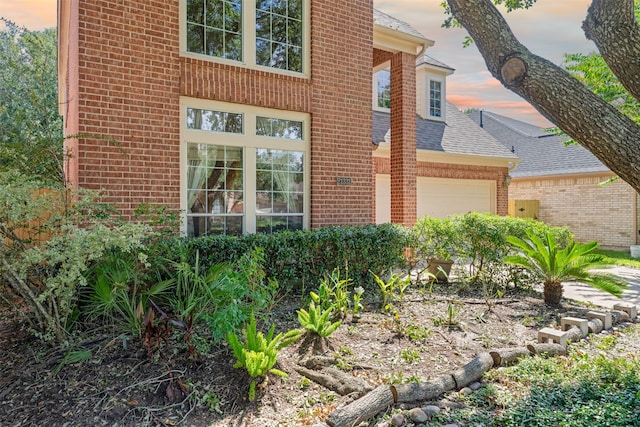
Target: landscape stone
(431, 409)
(397, 420)
(475, 386)
(418, 415)
(465, 391)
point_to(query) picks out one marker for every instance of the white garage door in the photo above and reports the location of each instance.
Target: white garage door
(439, 197)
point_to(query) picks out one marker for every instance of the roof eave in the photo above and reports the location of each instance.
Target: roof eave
(390, 40)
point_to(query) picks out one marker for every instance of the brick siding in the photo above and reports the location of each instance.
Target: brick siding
(341, 46)
(128, 101)
(131, 78)
(592, 212)
(403, 139)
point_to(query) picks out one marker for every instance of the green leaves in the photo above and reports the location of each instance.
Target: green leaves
(317, 321)
(554, 264)
(258, 353)
(31, 139)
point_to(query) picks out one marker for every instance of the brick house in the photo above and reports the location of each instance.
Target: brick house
(564, 181)
(247, 116)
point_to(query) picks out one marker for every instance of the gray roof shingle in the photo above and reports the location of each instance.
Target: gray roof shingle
(542, 153)
(426, 59)
(459, 135)
(384, 20)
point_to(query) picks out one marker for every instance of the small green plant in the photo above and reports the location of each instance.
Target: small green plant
(333, 293)
(451, 317)
(317, 321)
(410, 356)
(72, 356)
(357, 307)
(304, 383)
(258, 353)
(416, 333)
(203, 396)
(393, 288)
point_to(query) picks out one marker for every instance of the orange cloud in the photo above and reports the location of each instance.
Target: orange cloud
(32, 14)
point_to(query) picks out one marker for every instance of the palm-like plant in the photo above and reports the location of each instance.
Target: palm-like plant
(554, 265)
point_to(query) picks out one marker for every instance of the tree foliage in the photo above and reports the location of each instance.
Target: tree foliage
(31, 138)
(585, 113)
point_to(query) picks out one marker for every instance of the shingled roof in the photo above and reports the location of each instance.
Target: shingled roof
(542, 153)
(384, 20)
(459, 135)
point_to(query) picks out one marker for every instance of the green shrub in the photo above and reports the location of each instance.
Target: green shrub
(479, 241)
(46, 253)
(298, 258)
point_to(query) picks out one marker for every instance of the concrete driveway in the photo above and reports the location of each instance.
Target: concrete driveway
(585, 293)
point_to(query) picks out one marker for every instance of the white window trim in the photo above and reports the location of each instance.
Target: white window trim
(249, 40)
(442, 98)
(249, 141)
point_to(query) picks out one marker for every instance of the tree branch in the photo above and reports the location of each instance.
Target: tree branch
(611, 136)
(612, 26)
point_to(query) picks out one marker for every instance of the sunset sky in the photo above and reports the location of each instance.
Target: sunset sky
(549, 29)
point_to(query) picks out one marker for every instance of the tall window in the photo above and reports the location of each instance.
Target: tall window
(245, 172)
(268, 33)
(383, 83)
(435, 98)
(279, 34)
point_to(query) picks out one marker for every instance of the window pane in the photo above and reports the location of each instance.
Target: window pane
(219, 28)
(279, 34)
(195, 38)
(215, 121)
(277, 128)
(264, 180)
(435, 99)
(195, 9)
(384, 89)
(215, 14)
(280, 188)
(215, 187)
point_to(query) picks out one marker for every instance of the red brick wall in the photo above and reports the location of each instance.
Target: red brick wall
(220, 82)
(341, 58)
(128, 93)
(403, 139)
(131, 78)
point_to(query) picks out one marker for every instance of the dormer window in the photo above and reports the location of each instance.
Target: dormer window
(435, 98)
(382, 81)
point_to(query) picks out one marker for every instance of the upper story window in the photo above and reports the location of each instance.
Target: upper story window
(435, 98)
(382, 83)
(214, 28)
(263, 33)
(279, 34)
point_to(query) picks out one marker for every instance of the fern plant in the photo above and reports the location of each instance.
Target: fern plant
(258, 353)
(317, 321)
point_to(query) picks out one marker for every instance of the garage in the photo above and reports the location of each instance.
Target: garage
(439, 197)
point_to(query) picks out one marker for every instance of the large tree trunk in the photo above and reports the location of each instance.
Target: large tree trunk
(599, 127)
(552, 292)
(612, 27)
